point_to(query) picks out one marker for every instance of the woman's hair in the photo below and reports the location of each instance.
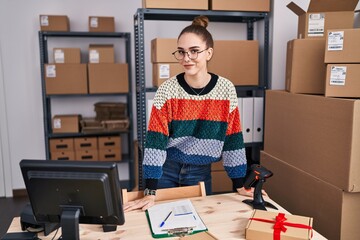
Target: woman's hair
(198, 27)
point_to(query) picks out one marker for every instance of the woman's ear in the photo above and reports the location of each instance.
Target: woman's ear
(210, 52)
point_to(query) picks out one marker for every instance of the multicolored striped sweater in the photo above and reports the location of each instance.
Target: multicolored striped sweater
(194, 129)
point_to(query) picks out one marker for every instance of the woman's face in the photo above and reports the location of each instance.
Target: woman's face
(192, 43)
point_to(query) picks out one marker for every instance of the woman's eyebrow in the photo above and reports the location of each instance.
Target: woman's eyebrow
(194, 47)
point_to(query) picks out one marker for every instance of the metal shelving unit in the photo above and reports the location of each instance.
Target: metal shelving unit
(46, 98)
(142, 14)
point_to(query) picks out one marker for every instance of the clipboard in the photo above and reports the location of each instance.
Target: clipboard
(183, 220)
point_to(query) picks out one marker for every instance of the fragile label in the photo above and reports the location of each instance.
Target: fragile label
(94, 56)
(335, 41)
(316, 26)
(164, 71)
(44, 21)
(50, 71)
(338, 75)
(59, 56)
(57, 123)
(94, 22)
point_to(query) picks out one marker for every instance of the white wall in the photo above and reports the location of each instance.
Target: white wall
(20, 87)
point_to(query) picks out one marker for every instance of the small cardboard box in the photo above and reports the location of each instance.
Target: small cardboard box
(342, 80)
(101, 53)
(342, 46)
(66, 78)
(87, 143)
(241, 5)
(163, 71)
(162, 49)
(87, 155)
(109, 142)
(67, 55)
(58, 23)
(236, 60)
(335, 212)
(61, 144)
(257, 229)
(108, 78)
(324, 15)
(305, 67)
(66, 123)
(101, 24)
(110, 154)
(176, 4)
(66, 155)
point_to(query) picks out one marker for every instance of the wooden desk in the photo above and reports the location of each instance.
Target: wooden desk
(224, 215)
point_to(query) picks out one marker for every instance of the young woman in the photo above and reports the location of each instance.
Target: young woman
(194, 122)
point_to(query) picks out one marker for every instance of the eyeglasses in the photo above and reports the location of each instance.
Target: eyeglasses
(192, 54)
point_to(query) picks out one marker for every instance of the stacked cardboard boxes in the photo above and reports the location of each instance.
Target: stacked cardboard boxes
(109, 148)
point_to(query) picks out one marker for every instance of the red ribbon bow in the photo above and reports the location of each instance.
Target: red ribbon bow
(279, 225)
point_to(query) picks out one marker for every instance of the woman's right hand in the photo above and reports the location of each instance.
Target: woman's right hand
(143, 203)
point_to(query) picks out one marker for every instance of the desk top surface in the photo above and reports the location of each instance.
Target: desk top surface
(224, 215)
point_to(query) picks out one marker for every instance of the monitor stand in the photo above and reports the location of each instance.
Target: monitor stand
(70, 223)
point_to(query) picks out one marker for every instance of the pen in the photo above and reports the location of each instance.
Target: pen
(163, 222)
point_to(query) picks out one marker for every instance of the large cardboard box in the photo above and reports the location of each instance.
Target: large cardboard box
(162, 49)
(59, 23)
(108, 78)
(317, 134)
(163, 71)
(335, 212)
(323, 15)
(66, 78)
(101, 24)
(237, 60)
(241, 5)
(67, 55)
(101, 53)
(257, 229)
(61, 144)
(342, 46)
(176, 4)
(342, 80)
(305, 67)
(66, 123)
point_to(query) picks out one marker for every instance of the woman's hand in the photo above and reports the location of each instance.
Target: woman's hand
(250, 192)
(143, 203)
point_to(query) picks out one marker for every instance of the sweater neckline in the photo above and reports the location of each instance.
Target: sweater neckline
(197, 91)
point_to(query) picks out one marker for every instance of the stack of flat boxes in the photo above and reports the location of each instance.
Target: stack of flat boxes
(312, 130)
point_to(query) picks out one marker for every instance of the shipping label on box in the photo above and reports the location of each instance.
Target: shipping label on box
(316, 25)
(335, 41)
(266, 225)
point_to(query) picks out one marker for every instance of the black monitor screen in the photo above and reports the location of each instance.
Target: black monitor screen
(88, 190)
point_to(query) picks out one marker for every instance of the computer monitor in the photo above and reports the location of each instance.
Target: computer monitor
(73, 192)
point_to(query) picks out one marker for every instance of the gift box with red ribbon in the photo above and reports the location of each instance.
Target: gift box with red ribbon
(278, 226)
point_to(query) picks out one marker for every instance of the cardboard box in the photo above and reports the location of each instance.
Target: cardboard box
(236, 60)
(58, 23)
(162, 49)
(67, 55)
(163, 71)
(101, 24)
(342, 46)
(101, 53)
(335, 212)
(108, 78)
(256, 229)
(66, 123)
(176, 4)
(109, 142)
(220, 182)
(316, 134)
(305, 67)
(217, 166)
(342, 80)
(241, 5)
(66, 78)
(110, 154)
(324, 15)
(61, 144)
(86, 143)
(66, 155)
(87, 155)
